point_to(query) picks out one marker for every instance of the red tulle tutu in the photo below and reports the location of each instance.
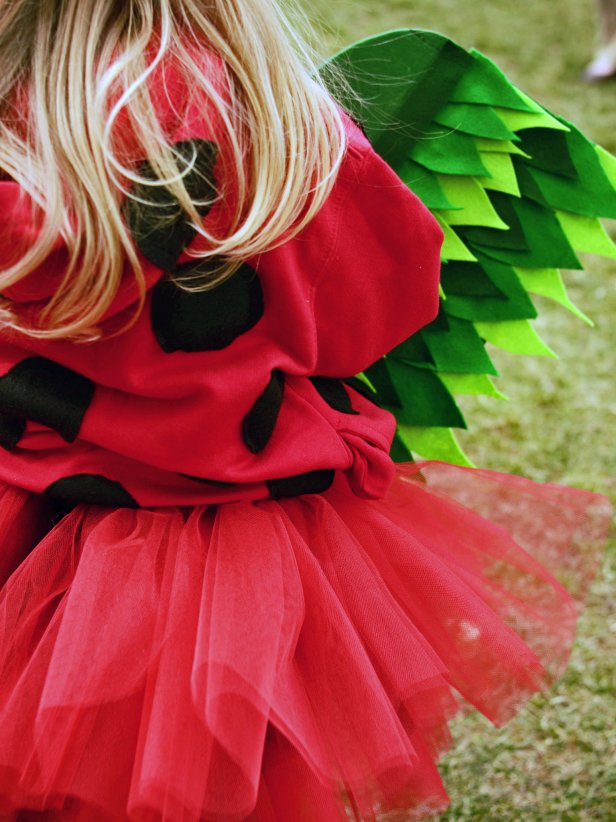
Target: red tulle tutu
(294, 660)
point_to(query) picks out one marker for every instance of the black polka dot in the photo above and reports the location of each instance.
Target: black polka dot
(12, 430)
(91, 489)
(260, 422)
(43, 391)
(205, 481)
(334, 393)
(205, 320)
(159, 225)
(312, 482)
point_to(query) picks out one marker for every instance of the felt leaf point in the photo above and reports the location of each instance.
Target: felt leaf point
(515, 336)
(434, 444)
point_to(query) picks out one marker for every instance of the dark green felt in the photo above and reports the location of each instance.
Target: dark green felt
(512, 304)
(399, 452)
(467, 280)
(415, 351)
(460, 350)
(548, 150)
(548, 246)
(514, 238)
(592, 195)
(527, 184)
(425, 400)
(379, 377)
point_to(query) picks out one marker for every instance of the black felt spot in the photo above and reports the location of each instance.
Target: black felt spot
(205, 320)
(91, 489)
(12, 430)
(312, 482)
(159, 226)
(205, 481)
(334, 393)
(259, 423)
(43, 391)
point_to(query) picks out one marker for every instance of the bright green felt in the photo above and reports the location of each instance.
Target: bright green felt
(474, 206)
(515, 336)
(477, 384)
(502, 173)
(439, 443)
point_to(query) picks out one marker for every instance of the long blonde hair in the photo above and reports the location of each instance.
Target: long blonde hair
(69, 57)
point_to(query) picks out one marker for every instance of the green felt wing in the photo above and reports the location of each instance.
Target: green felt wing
(518, 192)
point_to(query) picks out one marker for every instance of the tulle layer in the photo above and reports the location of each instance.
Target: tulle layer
(290, 660)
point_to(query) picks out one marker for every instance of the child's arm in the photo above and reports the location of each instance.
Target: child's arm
(379, 283)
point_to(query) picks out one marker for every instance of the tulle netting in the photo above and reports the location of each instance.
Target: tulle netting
(294, 660)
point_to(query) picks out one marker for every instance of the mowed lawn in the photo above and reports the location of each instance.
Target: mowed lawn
(557, 760)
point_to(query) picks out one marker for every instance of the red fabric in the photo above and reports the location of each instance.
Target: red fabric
(280, 660)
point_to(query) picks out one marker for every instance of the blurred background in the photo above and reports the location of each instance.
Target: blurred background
(557, 760)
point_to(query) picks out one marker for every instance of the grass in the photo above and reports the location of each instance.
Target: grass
(557, 759)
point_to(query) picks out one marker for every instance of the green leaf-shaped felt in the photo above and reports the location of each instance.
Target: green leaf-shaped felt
(516, 336)
(472, 384)
(453, 247)
(502, 173)
(424, 398)
(548, 282)
(548, 246)
(499, 146)
(426, 185)
(468, 280)
(512, 303)
(448, 152)
(519, 120)
(435, 443)
(514, 238)
(414, 351)
(517, 191)
(480, 121)
(458, 349)
(608, 164)
(592, 194)
(548, 150)
(474, 206)
(586, 234)
(485, 83)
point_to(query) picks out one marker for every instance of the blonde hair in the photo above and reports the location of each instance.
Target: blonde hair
(67, 59)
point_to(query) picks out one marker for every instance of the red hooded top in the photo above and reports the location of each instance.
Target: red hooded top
(233, 393)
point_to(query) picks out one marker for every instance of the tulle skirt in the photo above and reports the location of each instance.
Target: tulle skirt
(294, 660)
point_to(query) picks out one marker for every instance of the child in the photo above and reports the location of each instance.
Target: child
(220, 598)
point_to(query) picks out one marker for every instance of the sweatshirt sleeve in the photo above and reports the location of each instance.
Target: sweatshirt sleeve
(379, 283)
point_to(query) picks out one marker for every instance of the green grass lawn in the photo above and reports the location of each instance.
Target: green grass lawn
(557, 760)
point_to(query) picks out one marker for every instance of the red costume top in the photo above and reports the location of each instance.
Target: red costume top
(231, 393)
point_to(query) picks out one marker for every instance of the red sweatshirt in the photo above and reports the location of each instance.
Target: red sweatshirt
(233, 393)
